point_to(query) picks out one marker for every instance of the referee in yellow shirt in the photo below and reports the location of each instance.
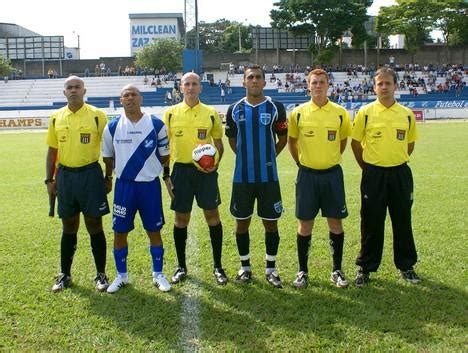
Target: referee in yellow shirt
(74, 134)
(318, 132)
(383, 138)
(189, 124)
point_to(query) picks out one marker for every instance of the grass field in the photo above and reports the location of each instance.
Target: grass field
(389, 315)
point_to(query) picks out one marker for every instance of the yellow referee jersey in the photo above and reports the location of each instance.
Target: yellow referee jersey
(319, 132)
(188, 127)
(77, 136)
(384, 133)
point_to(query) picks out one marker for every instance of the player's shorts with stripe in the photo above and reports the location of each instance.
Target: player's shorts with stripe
(268, 196)
(320, 190)
(190, 183)
(132, 196)
(81, 190)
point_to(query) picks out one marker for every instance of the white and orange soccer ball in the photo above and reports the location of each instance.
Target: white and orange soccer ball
(205, 156)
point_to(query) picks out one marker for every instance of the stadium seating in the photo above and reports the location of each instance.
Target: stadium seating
(104, 92)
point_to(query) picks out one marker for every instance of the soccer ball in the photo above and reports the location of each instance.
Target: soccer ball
(205, 156)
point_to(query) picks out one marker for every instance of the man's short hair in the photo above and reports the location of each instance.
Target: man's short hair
(255, 67)
(385, 71)
(130, 87)
(318, 72)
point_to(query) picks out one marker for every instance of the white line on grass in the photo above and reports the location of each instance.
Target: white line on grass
(190, 314)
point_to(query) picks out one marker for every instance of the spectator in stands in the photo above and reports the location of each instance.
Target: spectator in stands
(102, 68)
(86, 72)
(223, 95)
(50, 73)
(168, 97)
(228, 87)
(97, 70)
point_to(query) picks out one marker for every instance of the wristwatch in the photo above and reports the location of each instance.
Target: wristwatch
(47, 181)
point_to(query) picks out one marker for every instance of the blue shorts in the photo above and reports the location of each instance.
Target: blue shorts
(132, 196)
(320, 189)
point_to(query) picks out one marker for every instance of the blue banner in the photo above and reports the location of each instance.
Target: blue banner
(452, 104)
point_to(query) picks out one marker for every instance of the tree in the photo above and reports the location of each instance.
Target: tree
(5, 66)
(413, 18)
(161, 54)
(220, 36)
(231, 38)
(451, 18)
(211, 35)
(327, 19)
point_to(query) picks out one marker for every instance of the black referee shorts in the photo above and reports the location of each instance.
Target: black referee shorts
(320, 190)
(190, 183)
(81, 190)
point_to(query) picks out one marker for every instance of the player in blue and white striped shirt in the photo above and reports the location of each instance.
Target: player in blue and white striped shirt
(136, 146)
(257, 130)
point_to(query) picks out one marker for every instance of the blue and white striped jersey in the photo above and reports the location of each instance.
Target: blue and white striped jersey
(255, 128)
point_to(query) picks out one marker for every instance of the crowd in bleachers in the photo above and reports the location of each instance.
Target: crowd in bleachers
(353, 83)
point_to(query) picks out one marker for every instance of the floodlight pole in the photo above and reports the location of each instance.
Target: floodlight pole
(197, 37)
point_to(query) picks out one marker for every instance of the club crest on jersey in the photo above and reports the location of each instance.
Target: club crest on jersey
(85, 138)
(202, 134)
(149, 143)
(265, 118)
(400, 134)
(331, 135)
(278, 207)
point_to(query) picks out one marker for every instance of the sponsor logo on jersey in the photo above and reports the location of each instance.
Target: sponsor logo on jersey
(85, 138)
(149, 143)
(331, 135)
(123, 141)
(265, 118)
(400, 134)
(202, 134)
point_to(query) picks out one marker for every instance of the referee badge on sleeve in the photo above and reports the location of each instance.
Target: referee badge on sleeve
(331, 135)
(400, 134)
(85, 138)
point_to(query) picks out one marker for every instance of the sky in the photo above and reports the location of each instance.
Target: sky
(103, 26)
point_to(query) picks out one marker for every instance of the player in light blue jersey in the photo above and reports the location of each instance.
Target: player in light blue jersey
(135, 146)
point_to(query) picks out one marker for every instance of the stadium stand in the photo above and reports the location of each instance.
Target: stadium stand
(104, 92)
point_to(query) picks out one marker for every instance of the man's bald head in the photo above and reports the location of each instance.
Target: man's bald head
(190, 75)
(73, 78)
